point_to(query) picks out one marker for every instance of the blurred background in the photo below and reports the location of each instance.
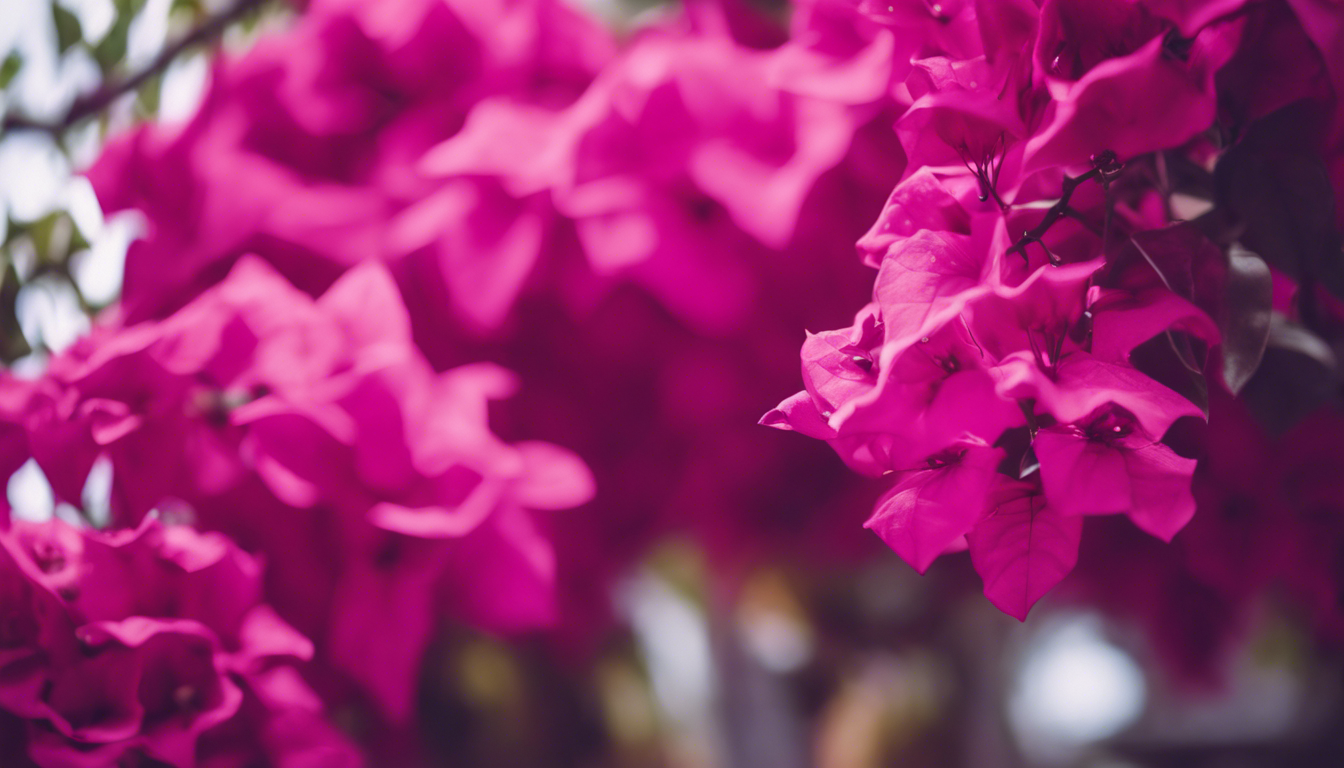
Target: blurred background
(848, 660)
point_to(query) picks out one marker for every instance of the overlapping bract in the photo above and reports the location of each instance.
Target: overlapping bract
(315, 432)
(324, 126)
(620, 202)
(367, 205)
(151, 643)
(995, 372)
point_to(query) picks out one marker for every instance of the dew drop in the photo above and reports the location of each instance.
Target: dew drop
(925, 340)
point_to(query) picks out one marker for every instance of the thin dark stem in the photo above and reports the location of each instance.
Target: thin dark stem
(986, 170)
(1052, 215)
(1164, 184)
(94, 103)
(1077, 215)
(1110, 211)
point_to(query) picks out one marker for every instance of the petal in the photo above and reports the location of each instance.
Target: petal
(928, 511)
(799, 413)
(923, 274)
(1161, 480)
(1082, 476)
(553, 478)
(1115, 107)
(1022, 550)
(920, 201)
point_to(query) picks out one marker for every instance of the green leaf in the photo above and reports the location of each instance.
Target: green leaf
(1247, 308)
(147, 99)
(1275, 185)
(12, 343)
(68, 30)
(53, 237)
(10, 68)
(112, 48)
(1298, 375)
(192, 8)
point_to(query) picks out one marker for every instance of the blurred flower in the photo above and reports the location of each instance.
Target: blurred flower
(143, 643)
(316, 433)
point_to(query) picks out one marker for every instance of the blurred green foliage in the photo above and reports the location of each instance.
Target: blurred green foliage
(47, 246)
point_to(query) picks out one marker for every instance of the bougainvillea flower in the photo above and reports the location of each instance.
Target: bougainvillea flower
(1074, 37)
(1106, 464)
(1109, 108)
(325, 126)
(932, 507)
(963, 116)
(930, 392)
(331, 407)
(920, 202)
(140, 643)
(1023, 548)
(669, 173)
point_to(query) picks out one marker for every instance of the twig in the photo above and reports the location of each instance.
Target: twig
(1052, 215)
(93, 103)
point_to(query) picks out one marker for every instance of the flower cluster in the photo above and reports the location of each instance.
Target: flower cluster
(324, 126)
(1100, 217)
(314, 432)
(1035, 347)
(150, 643)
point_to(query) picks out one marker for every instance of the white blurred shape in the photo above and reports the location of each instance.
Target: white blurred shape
(30, 495)
(83, 206)
(49, 313)
(33, 173)
(148, 34)
(99, 271)
(47, 82)
(97, 495)
(95, 17)
(776, 641)
(26, 27)
(30, 367)
(675, 643)
(1074, 687)
(17, 17)
(183, 86)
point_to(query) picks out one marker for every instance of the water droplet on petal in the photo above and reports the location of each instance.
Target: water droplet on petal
(924, 340)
